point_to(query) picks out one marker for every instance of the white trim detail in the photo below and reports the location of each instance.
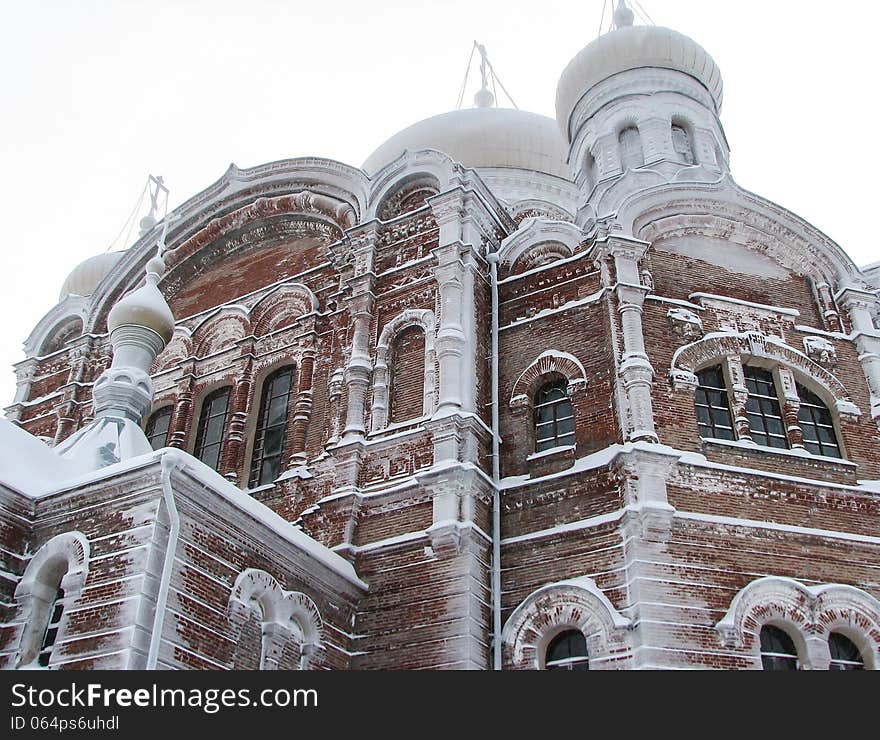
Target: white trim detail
(577, 603)
(66, 555)
(809, 614)
(284, 616)
(411, 317)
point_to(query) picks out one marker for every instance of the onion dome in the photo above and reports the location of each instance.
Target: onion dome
(483, 137)
(633, 47)
(86, 276)
(145, 306)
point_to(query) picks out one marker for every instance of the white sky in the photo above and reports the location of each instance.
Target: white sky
(96, 94)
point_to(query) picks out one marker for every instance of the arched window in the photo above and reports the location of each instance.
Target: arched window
(815, 422)
(713, 407)
(554, 416)
(157, 428)
(681, 143)
(762, 409)
(631, 153)
(407, 391)
(567, 652)
(266, 462)
(778, 652)
(845, 656)
(51, 634)
(212, 423)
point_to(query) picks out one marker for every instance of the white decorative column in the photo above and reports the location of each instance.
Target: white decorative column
(448, 210)
(360, 365)
(635, 372)
(858, 304)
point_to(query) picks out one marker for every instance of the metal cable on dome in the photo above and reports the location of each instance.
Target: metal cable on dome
(464, 81)
(129, 222)
(602, 18)
(643, 13)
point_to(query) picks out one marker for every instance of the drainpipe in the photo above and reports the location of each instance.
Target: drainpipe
(170, 461)
(496, 475)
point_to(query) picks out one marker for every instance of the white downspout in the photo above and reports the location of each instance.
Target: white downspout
(496, 474)
(170, 461)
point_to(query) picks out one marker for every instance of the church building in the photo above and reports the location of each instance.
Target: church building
(517, 393)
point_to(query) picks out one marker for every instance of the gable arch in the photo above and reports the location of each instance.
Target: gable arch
(407, 194)
(281, 307)
(574, 604)
(425, 163)
(551, 362)
(772, 230)
(423, 319)
(221, 330)
(178, 349)
(536, 238)
(689, 359)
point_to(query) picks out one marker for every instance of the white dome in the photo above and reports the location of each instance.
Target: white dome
(483, 137)
(633, 47)
(86, 275)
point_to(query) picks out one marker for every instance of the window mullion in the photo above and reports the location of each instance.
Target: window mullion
(738, 397)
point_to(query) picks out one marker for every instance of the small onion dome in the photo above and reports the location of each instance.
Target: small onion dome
(145, 306)
(483, 138)
(86, 275)
(633, 47)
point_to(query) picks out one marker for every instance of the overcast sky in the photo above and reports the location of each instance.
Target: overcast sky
(96, 94)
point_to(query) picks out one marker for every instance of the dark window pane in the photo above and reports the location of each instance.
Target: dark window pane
(271, 429)
(568, 652)
(157, 428)
(212, 423)
(554, 416)
(845, 656)
(778, 652)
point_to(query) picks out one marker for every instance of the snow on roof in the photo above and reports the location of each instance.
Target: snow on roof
(27, 465)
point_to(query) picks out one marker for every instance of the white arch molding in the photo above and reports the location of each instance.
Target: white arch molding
(573, 604)
(64, 561)
(809, 614)
(712, 348)
(285, 616)
(423, 319)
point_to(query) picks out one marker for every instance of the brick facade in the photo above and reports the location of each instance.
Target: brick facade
(664, 548)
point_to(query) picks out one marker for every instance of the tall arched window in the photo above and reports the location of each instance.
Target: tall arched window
(212, 423)
(407, 391)
(815, 422)
(631, 153)
(845, 656)
(762, 409)
(713, 407)
(778, 652)
(567, 652)
(157, 428)
(271, 433)
(51, 634)
(681, 143)
(554, 416)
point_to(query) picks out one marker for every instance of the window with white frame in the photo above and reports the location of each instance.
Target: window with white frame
(845, 655)
(778, 652)
(212, 425)
(157, 428)
(567, 652)
(764, 411)
(554, 416)
(713, 405)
